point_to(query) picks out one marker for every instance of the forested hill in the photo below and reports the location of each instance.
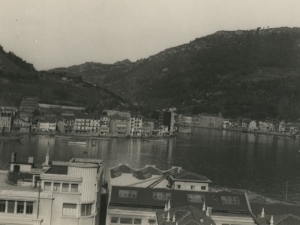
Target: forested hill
(249, 73)
(9, 62)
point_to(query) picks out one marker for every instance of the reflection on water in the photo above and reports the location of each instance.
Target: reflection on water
(231, 159)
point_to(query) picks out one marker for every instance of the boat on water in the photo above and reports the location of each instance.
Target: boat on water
(99, 138)
(63, 136)
(77, 142)
(156, 140)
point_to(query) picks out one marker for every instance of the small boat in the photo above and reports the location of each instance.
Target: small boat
(99, 138)
(77, 142)
(156, 140)
(63, 136)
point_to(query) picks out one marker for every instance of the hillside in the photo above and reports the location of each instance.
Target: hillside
(249, 73)
(19, 78)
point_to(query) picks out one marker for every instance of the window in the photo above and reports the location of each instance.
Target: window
(161, 196)
(29, 207)
(230, 200)
(127, 194)
(74, 187)
(65, 187)
(2, 206)
(137, 221)
(203, 188)
(178, 186)
(20, 207)
(192, 187)
(56, 187)
(126, 220)
(69, 209)
(114, 220)
(195, 198)
(151, 222)
(86, 209)
(11, 207)
(47, 186)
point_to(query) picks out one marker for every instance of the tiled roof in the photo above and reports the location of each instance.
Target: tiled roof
(186, 215)
(288, 220)
(179, 198)
(58, 170)
(275, 209)
(140, 174)
(188, 176)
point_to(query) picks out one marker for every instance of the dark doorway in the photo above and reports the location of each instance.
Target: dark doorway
(16, 168)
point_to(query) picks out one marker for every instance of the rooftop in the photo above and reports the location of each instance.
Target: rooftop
(157, 198)
(186, 215)
(117, 117)
(188, 176)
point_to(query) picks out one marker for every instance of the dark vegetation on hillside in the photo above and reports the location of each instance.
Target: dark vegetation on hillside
(252, 74)
(229, 66)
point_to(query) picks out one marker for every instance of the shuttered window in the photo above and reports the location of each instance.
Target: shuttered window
(69, 209)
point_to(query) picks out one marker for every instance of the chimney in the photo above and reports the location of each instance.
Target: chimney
(209, 211)
(13, 157)
(30, 160)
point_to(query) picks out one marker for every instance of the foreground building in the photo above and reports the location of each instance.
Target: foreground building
(58, 193)
(134, 205)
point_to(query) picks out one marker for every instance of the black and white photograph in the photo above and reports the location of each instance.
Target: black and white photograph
(149, 112)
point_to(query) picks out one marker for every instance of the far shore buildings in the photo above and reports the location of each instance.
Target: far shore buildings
(202, 120)
(6, 120)
(65, 193)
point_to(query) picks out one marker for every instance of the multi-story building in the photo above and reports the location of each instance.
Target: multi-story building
(59, 193)
(136, 123)
(146, 129)
(104, 125)
(68, 123)
(6, 119)
(21, 126)
(188, 181)
(211, 120)
(119, 125)
(47, 125)
(138, 205)
(115, 112)
(165, 118)
(87, 123)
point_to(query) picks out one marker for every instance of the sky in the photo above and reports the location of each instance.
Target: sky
(62, 33)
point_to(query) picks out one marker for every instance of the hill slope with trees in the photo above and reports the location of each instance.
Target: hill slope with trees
(249, 73)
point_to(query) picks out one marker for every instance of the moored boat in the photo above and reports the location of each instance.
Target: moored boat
(77, 142)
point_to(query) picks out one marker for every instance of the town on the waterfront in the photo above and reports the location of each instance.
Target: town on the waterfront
(135, 112)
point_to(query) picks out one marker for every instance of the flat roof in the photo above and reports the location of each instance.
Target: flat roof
(58, 170)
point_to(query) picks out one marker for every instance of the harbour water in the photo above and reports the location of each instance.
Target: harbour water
(261, 164)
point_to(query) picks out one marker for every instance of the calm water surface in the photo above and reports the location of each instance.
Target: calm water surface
(230, 159)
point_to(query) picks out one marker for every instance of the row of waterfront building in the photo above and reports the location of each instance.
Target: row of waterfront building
(70, 193)
(71, 120)
(218, 122)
